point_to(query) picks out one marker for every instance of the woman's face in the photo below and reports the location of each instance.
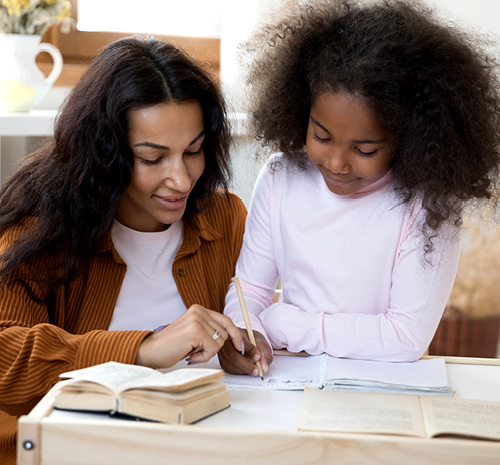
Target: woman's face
(167, 142)
(346, 143)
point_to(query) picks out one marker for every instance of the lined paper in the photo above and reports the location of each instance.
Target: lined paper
(422, 373)
(285, 373)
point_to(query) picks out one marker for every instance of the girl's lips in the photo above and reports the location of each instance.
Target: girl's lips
(338, 182)
(171, 203)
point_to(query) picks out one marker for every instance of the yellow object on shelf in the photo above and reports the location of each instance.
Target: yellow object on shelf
(16, 95)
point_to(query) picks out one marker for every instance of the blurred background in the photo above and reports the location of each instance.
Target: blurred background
(210, 30)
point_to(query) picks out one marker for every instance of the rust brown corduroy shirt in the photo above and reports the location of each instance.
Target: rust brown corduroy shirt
(33, 352)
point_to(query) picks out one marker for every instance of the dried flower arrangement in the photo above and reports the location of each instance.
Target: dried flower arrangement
(34, 17)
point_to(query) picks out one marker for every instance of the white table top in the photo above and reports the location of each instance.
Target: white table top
(279, 410)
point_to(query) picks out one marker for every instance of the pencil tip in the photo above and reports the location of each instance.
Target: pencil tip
(262, 378)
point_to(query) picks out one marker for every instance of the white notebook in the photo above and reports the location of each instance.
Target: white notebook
(325, 372)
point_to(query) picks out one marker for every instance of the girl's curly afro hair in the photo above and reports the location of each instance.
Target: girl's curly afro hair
(433, 87)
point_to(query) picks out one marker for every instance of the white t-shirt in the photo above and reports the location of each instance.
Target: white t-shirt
(148, 297)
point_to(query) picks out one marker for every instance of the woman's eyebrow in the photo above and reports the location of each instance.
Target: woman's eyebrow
(201, 134)
(152, 145)
(164, 147)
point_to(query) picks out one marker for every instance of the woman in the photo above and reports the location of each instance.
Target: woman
(94, 255)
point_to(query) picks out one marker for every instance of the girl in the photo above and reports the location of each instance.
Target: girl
(388, 125)
(116, 227)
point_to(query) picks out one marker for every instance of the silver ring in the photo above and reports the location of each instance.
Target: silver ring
(216, 335)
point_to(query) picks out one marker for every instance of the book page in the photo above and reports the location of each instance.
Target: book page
(113, 375)
(458, 416)
(285, 373)
(361, 412)
(421, 374)
(179, 379)
(120, 377)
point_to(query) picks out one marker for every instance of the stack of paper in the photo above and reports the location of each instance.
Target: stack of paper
(420, 377)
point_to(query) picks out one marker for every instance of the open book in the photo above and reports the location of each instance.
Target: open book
(325, 372)
(181, 396)
(422, 416)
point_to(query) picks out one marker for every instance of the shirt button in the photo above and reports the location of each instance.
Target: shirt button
(181, 272)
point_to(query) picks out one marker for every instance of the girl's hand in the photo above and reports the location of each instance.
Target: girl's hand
(192, 335)
(233, 362)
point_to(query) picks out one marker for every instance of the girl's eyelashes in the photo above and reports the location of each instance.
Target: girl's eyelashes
(320, 139)
(366, 154)
(359, 152)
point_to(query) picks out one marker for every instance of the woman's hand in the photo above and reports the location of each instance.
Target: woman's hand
(194, 334)
(233, 362)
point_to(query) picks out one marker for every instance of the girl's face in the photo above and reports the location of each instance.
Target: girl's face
(167, 142)
(346, 143)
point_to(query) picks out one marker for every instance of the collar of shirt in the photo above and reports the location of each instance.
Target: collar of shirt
(195, 230)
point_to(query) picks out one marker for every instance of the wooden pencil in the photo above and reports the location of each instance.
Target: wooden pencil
(247, 323)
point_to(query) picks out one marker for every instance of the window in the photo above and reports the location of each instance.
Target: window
(193, 25)
(191, 18)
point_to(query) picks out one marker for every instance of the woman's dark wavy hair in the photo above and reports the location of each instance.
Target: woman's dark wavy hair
(69, 189)
(434, 88)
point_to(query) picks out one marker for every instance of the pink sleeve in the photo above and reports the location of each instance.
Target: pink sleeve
(418, 296)
(256, 253)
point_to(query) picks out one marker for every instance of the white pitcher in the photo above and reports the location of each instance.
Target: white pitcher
(22, 84)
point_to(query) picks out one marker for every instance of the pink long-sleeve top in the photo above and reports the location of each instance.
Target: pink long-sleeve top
(355, 280)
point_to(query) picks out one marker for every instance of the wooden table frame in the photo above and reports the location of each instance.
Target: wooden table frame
(46, 441)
